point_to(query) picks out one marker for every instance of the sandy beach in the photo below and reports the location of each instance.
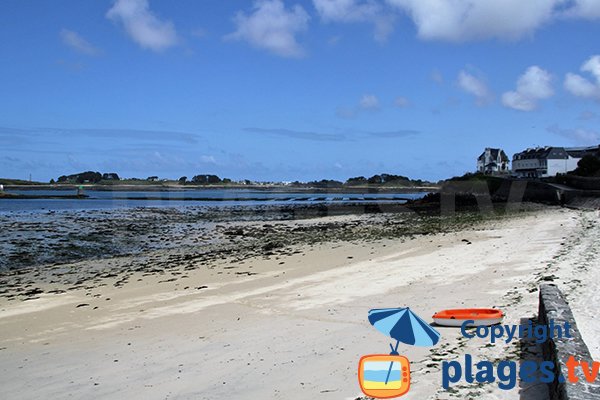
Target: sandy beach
(300, 200)
(291, 323)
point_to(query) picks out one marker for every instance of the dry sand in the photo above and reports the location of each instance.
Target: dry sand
(577, 268)
(297, 328)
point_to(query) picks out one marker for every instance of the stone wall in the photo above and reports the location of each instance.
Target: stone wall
(527, 190)
(580, 182)
(554, 307)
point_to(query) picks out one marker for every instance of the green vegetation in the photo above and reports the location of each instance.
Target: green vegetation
(386, 180)
(6, 181)
(589, 165)
(470, 177)
(83, 177)
(131, 181)
(322, 184)
(382, 180)
(113, 179)
(472, 182)
(206, 179)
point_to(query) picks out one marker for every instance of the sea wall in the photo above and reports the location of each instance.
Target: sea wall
(554, 307)
(579, 182)
(516, 190)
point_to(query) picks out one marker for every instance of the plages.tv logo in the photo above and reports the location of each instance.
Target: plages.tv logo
(384, 376)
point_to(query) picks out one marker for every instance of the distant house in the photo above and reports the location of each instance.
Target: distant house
(152, 178)
(542, 162)
(493, 161)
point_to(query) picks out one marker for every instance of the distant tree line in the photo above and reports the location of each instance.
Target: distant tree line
(88, 177)
(375, 180)
(383, 179)
(97, 177)
(323, 183)
(211, 179)
(204, 179)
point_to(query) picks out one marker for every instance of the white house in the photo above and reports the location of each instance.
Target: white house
(493, 161)
(548, 161)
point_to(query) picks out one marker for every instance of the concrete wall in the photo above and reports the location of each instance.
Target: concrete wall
(572, 163)
(580, 182)
(557, 167)
(554, 307)
(562, 166)
(535, 191)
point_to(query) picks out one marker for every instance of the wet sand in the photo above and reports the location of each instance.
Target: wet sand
(286, 320)
(39, 247)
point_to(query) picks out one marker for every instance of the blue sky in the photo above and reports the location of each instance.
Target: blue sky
(286, 90)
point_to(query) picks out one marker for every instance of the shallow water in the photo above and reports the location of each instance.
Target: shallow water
(99, 200)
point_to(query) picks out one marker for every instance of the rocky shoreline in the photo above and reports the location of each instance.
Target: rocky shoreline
(58, 251)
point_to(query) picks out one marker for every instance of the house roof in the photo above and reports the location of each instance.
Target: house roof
(579, 152)
(494, 154)
(548, 153)
(556, 153)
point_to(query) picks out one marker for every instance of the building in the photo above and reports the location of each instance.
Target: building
(542, 162)
(493, 161)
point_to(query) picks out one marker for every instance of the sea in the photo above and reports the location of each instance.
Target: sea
(102, 200)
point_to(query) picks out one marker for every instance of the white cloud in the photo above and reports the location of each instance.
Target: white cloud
(476, 19)
(78, 43)
(371, 11)
(142, 25)
(272, 27)
(593, 67)
(578, 136)
(586, 9)
(475, 86)
(517, 101)
(582, 87)
(345, 10)
(535, 84)
(369, 102)
(461, 20)
(458, 20)
(208, 159)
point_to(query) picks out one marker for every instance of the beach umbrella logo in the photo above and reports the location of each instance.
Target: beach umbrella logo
(385, 376)
(404, 325)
